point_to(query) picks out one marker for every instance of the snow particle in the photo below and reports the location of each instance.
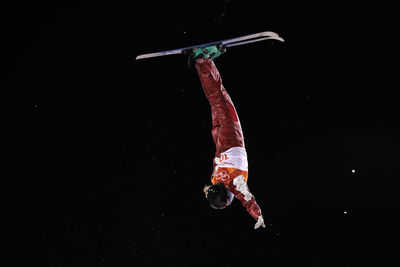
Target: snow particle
(353, 171)
(345, 212)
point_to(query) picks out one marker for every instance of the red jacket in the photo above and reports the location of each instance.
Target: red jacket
(231, 169)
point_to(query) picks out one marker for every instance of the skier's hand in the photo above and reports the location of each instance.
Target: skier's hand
(260, 222)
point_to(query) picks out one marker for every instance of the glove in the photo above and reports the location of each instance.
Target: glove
(260, 222)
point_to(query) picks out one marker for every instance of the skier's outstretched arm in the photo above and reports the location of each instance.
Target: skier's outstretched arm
(240, 189)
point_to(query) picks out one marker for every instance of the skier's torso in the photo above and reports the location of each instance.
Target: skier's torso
(231, 168)
(230, 164)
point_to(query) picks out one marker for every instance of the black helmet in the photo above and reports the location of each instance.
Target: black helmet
(217, 196)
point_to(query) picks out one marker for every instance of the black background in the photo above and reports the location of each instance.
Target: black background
(106, 157)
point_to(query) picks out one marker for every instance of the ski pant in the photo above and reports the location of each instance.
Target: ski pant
(226, 129)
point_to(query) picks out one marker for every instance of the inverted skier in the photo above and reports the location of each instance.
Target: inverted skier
(229, 176)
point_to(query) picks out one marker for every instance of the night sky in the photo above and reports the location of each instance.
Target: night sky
(106, 157)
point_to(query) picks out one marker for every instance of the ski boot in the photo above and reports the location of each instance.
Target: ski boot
(211, 52)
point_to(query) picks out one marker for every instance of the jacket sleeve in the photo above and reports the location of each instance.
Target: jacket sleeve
(239, 188)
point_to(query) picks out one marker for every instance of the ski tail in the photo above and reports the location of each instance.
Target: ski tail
(253, 40)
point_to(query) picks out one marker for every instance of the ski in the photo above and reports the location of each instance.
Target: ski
(251, 38)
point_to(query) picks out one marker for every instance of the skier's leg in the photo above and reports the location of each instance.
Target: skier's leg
(226, 129)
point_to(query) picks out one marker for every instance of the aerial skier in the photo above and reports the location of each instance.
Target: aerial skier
(230, 169)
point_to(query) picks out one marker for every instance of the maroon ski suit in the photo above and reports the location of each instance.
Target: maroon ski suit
(230, 163)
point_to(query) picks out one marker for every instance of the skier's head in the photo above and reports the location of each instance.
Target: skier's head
(217, 195)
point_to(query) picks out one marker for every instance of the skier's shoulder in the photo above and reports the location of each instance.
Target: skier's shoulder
(226, 175)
